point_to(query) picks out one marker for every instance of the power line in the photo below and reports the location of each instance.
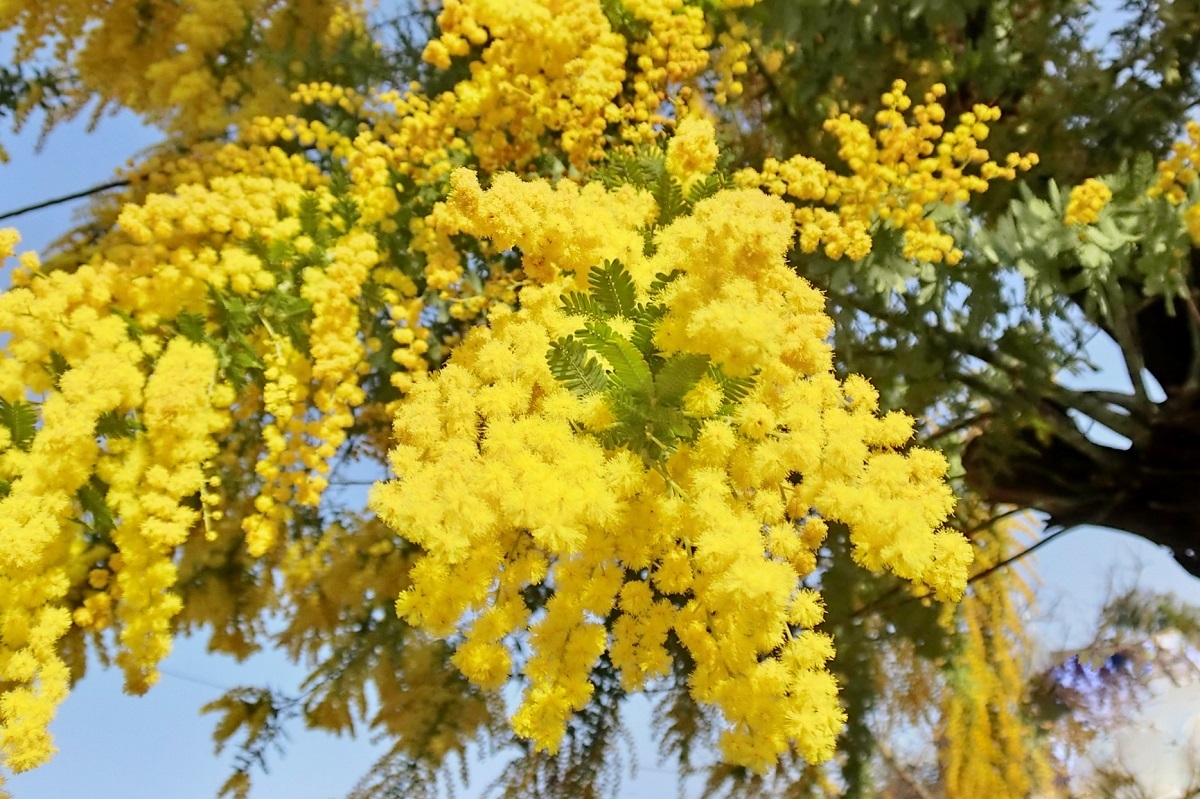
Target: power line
(116, 184)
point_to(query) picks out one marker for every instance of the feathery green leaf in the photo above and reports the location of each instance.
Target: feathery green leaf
(21, 420)
(574, 367)
(677, 377)
(613, 289)
(579, 304)
(629, 369)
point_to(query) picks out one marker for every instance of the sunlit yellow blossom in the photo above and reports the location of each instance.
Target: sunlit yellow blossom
(692, 152)
(492, 463)
(1086, 202)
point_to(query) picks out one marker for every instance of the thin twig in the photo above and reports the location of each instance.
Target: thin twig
(116, 184)
(1029, 550)
(901, 772)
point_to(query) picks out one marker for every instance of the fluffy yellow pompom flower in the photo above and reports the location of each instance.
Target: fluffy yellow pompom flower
(658, 457)
(1086, 201)
(692, 152)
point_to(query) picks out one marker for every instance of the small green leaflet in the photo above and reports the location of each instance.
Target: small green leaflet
(736, 388)
(21, 420)
(579, 304)
(629, 369)
(705, 188)
(668, 194)
(114, 425)
(58, 366)
(677, 377)
(643, 332)
(91, 500)
(662, 280)
(613, 290)
(573, 365)
(637, 170)
(191, 326)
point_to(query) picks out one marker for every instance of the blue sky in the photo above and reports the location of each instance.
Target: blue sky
(159, 745)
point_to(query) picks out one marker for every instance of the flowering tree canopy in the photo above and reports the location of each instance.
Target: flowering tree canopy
(620, 359)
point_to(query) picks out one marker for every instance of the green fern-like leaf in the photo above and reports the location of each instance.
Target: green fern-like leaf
(669, 196)
(1143, 171)
(115, 425)
(580, 304)
(629, 369)
(735, 389)
(705, 188)
(21, 420)
(677, 377)
(191, 326)
(58, 366)
(574, 367)
(612, 288)
(91, 500)
(662, 280)
(638, 169)
(643, 334)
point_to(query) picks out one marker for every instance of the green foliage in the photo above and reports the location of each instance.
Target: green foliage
(21, 420)
(647, 169)
(98, 517)
(630, 372)
(191, 326)
(613, 290)
(643, 387)
(677, 376)
(114, 425)
(577, 303)
(261, 715)
(572, 364)
(623, 22)
(58, 366)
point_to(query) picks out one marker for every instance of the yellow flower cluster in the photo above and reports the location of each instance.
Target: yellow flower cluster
(564, 228)
(192, 370)
(127, 410)
(896, 176)
(1178, 174)
(505, 482)
(692, 151)
(38, 543)
(543, 67)
(194, 67)
(545, 79)
(674, 50)
(149, 478)
(1086, 201)
(32, 619)
(730, 66)
(1178, 171)
(989, 739)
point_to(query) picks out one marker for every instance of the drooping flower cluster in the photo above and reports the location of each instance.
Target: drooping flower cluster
(75, 471)
(517, 468)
